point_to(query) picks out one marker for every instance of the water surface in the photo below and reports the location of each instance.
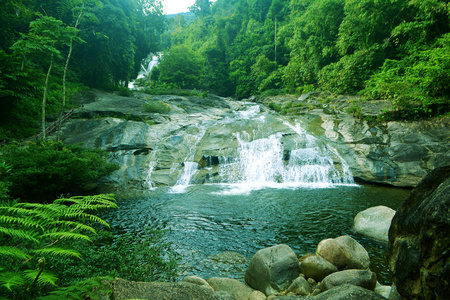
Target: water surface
(216, 229)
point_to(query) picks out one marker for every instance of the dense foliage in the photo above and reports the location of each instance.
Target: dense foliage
(45, 170)
(46, 43)
(382, 49)
(32, 235)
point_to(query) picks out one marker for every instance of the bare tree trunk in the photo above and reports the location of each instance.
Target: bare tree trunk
(44, 99)
(66, 66)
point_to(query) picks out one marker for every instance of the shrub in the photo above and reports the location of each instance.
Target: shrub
(45, 170)
(157, 107)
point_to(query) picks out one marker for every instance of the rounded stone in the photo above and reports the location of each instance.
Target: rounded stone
(317, 268)
(374, 222)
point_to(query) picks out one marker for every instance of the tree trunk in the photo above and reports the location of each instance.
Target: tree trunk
(66, 66)
(44, 99)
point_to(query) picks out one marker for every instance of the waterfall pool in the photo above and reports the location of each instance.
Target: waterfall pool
(217, 228)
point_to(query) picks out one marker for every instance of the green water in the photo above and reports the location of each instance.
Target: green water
(216, 229)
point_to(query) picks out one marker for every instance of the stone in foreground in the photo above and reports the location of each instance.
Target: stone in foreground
(348, 292)
(272, 269)
(363, 278)
(344, 252)
(317, 268)
(374, 222)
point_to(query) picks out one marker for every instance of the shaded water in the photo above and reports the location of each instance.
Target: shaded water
(217, 228)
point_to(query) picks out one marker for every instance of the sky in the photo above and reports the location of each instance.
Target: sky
(177, 6)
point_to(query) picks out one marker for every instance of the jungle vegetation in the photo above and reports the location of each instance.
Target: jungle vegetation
(396, 50)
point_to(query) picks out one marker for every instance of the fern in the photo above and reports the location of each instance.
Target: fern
(42, 278)
(14, 253)
(38, 228)
(57, 251)
(11, 280)
(81, 289)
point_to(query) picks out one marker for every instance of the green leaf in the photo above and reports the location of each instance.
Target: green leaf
(46, 278)
(57, 251)
(14, 252)
(66, 235)
(11, 280)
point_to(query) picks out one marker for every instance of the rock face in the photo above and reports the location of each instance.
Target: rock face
(419, 240)
(344, 252)
(272, 269)
(396, 153)
(153, 148)
(123, 289)
(374, 222)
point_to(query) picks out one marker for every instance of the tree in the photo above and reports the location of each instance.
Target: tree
(182, 66)
(41, 46)
(201, 8)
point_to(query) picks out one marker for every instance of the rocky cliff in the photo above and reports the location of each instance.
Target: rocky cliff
(152, 147)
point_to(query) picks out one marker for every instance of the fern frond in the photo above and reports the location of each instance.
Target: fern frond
(45, 278)
(57, 251)
(82, 215)
(66, 235)
(14, 252)
(11, 280)
(80, 289)
(20, 234)
(27, 222)
(74, 225)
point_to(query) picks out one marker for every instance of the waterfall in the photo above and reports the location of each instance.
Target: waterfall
(189, 166)
(257, 150)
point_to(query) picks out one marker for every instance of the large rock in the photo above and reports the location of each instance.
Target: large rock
(344, 252)
(374, 222)
(272, 269)
(419, 240)
(317, 268)
(235, 288)
(123, 289)
(363, 278)
(348, 292)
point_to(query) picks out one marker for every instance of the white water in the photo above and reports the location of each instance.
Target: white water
(262, 161)
(145, 71)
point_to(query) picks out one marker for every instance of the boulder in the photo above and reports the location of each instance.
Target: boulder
(197, 280)
(344, 252)
(348, 292)
(374, 222)
(299, 287)
(123, 289)
(272, 269)
(419, 240)
(317, 268)
(235, 288)
(363, 278)
(383, 290)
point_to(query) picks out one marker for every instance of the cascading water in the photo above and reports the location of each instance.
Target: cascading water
(190, 167)
(262, 150)
(264, 177)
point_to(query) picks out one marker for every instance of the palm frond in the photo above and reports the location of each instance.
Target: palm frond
(57, 251)
(14, 252)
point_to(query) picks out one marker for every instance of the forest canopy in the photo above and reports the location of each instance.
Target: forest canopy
(381, 49)
(396, 50)
(46, 43)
